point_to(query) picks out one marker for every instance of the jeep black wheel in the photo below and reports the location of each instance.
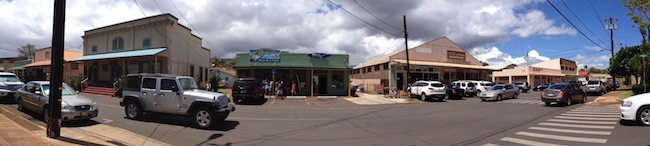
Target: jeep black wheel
(133, 110)
(204, 117)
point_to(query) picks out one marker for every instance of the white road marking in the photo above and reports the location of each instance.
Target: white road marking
(106, 120)
(596, 107)
(584, 118)
(565, 138)
(597, 116)
(593, 113)
(489, 144)
(577, 126)
(277, 119)
(527, 142)
(572, 131)
(581, 122)
(307, 102)
(272, 101)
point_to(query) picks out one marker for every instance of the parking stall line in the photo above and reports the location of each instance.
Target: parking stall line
(489, 144)
(577, 126)
(572, 131)
(585, 118)
(582, 122)
(593, 113)
(596, 116)
(565, 138)
(527, 142)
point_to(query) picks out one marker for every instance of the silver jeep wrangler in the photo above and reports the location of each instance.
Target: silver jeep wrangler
(172, 94)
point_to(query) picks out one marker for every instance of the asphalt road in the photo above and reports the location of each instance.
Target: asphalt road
(339, 122)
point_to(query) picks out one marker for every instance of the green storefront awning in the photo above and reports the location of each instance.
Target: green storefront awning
(296, 60)
(124, 54)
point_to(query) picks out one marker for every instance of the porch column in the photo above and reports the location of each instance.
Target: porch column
(312, 84)
(510, 79)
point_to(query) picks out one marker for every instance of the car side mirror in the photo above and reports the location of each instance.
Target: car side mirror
(38, 93)
(174, 89)
(504, 89)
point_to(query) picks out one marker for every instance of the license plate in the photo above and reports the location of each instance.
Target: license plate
(84, 113)
(550, 94)
(242, 91)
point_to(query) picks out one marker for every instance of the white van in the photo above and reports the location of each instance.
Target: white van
(467, 85)
(9, 83)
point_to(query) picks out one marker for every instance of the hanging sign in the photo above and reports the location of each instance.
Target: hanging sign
(319, 55)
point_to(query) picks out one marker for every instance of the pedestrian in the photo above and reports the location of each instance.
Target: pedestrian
(207, 86)
(293, 88)
(280, 88)
(270, 88)
(315, 86)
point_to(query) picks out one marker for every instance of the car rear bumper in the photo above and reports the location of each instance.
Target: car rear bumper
(628, 113)
(78, 115)
(553, 99)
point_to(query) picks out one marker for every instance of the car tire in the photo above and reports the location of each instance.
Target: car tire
(499, 98)
(568, 102)
(204, 117)
(46, 114)
(547, 103)
(423, 97)
(133, 110)
(21, 106)
(643, 116)
(514, 96)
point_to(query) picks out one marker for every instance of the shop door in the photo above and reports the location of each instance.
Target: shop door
(322, 81)
(400, 81)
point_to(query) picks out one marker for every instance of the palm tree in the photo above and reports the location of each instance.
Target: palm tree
(216, 62)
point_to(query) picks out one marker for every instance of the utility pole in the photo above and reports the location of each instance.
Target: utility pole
(611, 27)
(56, 70)
(408, 64)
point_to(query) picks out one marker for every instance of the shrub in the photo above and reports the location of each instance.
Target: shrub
(75, 82)
(638, 89)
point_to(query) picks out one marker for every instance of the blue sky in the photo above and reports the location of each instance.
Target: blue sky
(494, 31)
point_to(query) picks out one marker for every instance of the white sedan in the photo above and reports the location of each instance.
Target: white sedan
(636, 108)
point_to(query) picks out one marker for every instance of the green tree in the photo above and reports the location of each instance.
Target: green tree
(626, 63)
(26, 51)
(639, 12)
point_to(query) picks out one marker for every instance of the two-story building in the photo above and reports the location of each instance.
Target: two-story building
(7, 63)
(156, 44)
(39, 69)
(437, 60)
(552, 71)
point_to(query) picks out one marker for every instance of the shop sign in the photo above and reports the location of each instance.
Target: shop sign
(265, 55)
(319, 55)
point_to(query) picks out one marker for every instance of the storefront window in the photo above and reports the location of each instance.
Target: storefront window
(337, 79)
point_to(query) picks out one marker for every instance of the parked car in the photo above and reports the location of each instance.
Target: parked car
(9, 83)
(596, 86)
(247, 89)
(175, 95)
(566, 93)
(468, 86)
(482, 86)
(455, 92)
(636, 108)
(523, 86)
(540, 87)
(427, 89)
(499, 92)
(35, 96)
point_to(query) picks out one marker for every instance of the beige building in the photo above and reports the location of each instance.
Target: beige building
(437, 60)
(7, 63)
(156, 44)
(39, 70)
(556, 70)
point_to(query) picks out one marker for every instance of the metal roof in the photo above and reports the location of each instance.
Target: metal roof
(339, 61)
(124, 54)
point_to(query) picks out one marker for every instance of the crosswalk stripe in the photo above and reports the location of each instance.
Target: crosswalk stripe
(597, 116)
(527, 142)
(585, 118)
(605, 110)
(577, 126)
(592, 113)
(572, 131)
(565, 138)
(489, 144)
(596, 107)
(581, 122)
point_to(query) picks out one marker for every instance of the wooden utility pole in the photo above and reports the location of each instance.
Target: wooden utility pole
(611, 26)
(408, 64)
(56, 71)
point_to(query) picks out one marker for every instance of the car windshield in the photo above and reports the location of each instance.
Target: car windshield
(8, 78)
(592, 82)
(496, 88)
(67, 90)
(188, 83)
(557, 86)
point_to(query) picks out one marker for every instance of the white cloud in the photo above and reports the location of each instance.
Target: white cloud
(600, 62)
(494, 56)
(534, 22)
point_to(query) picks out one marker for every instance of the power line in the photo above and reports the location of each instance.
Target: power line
(373, 15)
(574, 26)
(359, 18)
(188, 22)
(583, 24)
(184, 38)
(598, 16)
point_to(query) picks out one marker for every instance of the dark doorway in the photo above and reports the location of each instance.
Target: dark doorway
(400, 81)
(322, 84)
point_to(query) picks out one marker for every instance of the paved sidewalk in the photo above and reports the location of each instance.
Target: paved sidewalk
(610, 99)
(11, 133)
(374, 99)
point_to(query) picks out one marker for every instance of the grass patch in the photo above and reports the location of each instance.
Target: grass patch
(414, 101)
(625, 94)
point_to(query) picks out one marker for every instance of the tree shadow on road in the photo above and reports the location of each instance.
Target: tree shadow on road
(226, 125)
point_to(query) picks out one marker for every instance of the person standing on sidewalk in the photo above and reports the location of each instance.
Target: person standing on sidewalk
(293, 88)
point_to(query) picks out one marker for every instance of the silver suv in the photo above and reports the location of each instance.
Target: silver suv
(596, 86)
(9, 83)
(172, 94)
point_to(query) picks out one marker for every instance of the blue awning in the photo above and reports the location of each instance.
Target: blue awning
(124, 54)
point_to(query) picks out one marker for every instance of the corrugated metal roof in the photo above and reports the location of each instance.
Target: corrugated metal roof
(124, 54)
(297, 60)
